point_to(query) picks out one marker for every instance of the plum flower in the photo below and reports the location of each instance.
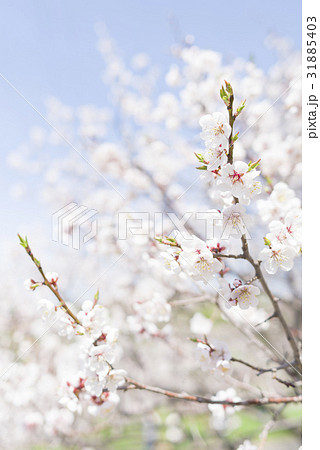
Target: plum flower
(46, 308)
(239, 180)
(235, 222)
(170, 259)
(198, 260)
(214, 357)
(225, 292)
(282, 201)
(106, 405)
(278, 256)
(287, 232)
(221, 413)
(215, 129)
(94, 385)
(115, 378)
(155, 310)
(215, 156)
(93, 318)
(245, 296)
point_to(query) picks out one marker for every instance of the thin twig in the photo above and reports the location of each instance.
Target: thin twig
(200, 399)
(53, 289)
(269, 425)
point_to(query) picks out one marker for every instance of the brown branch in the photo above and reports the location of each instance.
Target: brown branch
(53, 289)
(246, 254)
(231, 122)
(262, 371)
(274, 301)
(285, 382)
(200, 399)
(278, 313)
(220, 255)
(262, 345)
(259, 369)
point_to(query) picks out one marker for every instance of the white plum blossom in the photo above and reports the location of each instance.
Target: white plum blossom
(215, 129)
(72, 403)
(225, 292)
(198, 261)
(223, 366)
(46, 308)
(287, 232)
(94, 385)
(109, 401)
(247, 446)
(67, 327)
(282, 195)
(279, 256)
(214, 357)
(138, 326)
(221, 413)
(240, 181)
(93, 318)
(281, 201)
(215, 156)
(204, 358)
(235, 222)
(170, 259)
(100, 356)
(155, 310)
(199, 324)
(193, 256)
(115, 378)
(245, 295)
(293, 224)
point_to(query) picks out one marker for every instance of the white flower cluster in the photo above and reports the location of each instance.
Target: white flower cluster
(98, 380)
(284, 240)
(148, 314)
(221, 413)
(191, 255)
(237, 179)
(213, 357)
(243, 295)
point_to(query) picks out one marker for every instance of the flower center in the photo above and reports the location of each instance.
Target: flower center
(236, 177)
(218, 130)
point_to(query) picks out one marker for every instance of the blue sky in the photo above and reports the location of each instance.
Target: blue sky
(49, 48)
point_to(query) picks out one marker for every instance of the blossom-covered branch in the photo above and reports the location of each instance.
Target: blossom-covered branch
(105, 379)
